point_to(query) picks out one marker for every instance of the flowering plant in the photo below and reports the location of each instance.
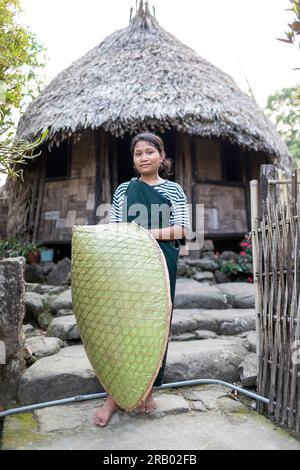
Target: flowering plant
(241, 268)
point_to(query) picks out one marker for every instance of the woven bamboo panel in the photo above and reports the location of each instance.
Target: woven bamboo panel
(121, 300)
(277, 240)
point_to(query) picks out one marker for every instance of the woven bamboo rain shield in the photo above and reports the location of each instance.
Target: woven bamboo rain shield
(121, 300)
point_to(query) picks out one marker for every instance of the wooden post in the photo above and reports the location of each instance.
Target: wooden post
(98, 186)
(254, 225)
(113, 165)
(40, 198)
(294, 191)
(267, 172)
(33, 199)
(246, 181)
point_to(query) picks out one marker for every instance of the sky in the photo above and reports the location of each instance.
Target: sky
(238, 36)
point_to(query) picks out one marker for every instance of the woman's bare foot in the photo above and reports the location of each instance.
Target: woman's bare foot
(103, 414)
(148, 405)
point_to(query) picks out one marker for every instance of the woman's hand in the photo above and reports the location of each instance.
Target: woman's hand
(172, 232)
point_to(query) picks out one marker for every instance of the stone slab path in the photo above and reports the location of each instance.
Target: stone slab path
(202, 417)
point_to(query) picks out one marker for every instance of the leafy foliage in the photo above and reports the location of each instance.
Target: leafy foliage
(283, 109)
(20, 58)
(17, 246)
(291, 36)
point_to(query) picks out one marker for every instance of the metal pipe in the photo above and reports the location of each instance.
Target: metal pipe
(185, 383)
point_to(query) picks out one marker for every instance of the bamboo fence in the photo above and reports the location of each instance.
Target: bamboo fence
(275, 218)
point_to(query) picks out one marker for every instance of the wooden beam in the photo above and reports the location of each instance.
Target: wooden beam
(267, 172)
(98, 176)
(40, 198)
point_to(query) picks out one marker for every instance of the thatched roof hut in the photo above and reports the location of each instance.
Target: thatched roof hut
(142, 77)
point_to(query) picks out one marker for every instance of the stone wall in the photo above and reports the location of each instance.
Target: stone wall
(12, 312)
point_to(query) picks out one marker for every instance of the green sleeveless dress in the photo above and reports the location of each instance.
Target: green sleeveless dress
(139, 192)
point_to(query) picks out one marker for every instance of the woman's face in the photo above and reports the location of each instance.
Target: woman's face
(146, 158)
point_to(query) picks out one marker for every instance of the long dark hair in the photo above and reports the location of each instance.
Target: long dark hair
(165, 168)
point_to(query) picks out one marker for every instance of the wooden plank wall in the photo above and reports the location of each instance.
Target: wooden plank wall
(224, 208)
(71, 200)
(198, 164)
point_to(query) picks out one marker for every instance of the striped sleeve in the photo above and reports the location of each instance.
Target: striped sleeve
(181, 209)
(116, 208)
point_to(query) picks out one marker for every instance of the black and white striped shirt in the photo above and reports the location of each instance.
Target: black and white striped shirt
(179, 214)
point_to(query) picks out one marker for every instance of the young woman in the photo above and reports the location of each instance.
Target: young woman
(152, 165)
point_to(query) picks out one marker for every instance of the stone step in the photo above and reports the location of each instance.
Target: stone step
(69, 373)
(222, 322)
(192, 294)
(189, 294)
(202, 418)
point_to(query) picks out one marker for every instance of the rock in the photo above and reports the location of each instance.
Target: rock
(198, 406)
(65, 374)
(43, 347)
(229, 256)
(64, 328)
(248, 370)
(44, 320)
(208, 255)
(30, 331)
(12, 312)
(47, 267)
(33, 273)
(181, 267)
(194, 254)
(223, 321)
(64, 313)
(48, 289)
(239, 294)
(204, 264)
(251, 338)
(60, 274)
(212, 358)
(221, 277)
(204, 276)
(187, 320)
(61, 418)
(205, 334)
(191, 294)
(237, 325)
(205, 399)
(189, 271)
(62, 302)
(183, 337)
(228, 405)
(34, 306)
(33, 287)
(169, 404)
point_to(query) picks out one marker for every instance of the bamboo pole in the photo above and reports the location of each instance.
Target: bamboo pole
(254, 223)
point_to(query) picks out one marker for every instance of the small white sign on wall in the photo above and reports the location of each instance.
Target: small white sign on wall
(90, 203)
(213, 219)
(51, 215)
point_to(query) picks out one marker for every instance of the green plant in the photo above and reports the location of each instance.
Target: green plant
(17, 246)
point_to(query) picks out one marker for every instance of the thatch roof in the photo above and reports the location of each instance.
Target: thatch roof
(142, 77)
